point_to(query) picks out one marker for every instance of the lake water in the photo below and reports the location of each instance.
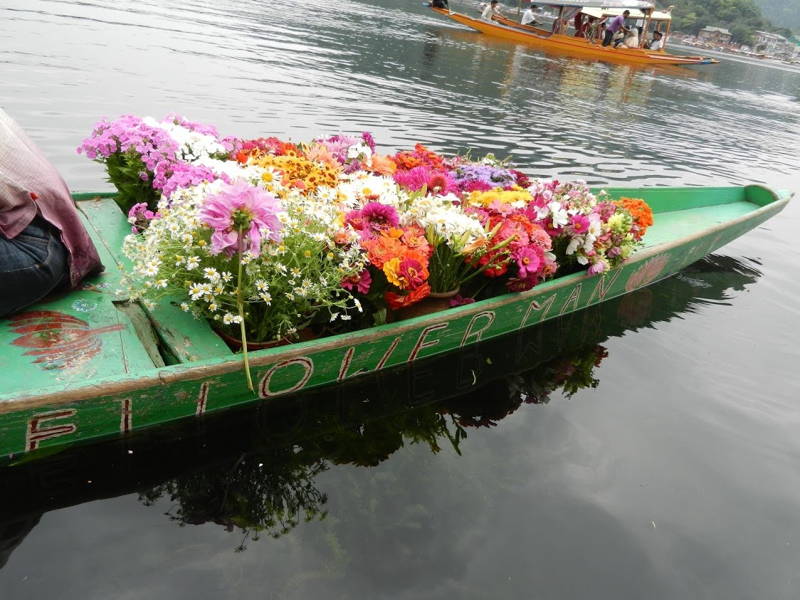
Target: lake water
(647, 448)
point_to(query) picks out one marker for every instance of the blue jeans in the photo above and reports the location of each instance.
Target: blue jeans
(32, 265)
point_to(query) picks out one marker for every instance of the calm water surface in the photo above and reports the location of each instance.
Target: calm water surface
(645, 449)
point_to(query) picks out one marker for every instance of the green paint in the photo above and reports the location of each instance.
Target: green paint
(36, 411)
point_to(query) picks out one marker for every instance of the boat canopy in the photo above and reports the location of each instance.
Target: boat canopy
(621, 4)
(656, 15)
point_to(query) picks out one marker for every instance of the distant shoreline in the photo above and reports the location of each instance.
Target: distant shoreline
(765, 62)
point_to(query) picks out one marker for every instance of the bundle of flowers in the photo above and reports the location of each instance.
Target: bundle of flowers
(587, 230)
(264, 236)
(252, 264)
(145, 158)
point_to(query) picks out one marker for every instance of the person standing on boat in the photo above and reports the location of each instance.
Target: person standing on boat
(490, 10)
(614, 26)
(43, 244)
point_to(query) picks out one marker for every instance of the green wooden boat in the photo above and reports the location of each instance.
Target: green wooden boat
(251, 456)
(89, 364)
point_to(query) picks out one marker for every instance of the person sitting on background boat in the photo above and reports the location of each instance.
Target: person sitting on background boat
(593, 29)
(616, 24)
(658, 41)
(490, 10)
(579, 25)
(43, 244)
(528, 16)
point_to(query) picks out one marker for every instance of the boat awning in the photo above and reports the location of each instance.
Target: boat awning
(656, 15)
(603, 4)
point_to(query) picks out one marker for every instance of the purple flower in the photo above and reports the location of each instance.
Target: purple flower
(467, 177)
(241, 208)
(186, 175)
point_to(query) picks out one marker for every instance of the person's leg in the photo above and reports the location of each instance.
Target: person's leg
(608, 37)
(31, 266)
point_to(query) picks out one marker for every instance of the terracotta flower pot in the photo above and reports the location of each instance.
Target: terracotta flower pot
(235, 343)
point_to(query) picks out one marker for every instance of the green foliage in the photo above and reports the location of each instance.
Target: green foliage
(784, 12)
(124, 170)
(741, 17)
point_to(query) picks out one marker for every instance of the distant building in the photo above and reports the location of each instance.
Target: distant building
(772, 44)
(714, 35)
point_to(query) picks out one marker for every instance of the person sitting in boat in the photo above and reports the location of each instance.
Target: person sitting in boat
(616, 24)
(43, 244)
(440, 4)
(529, 16)
(658, 41)
(490, 10)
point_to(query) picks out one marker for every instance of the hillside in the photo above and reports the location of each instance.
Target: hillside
(741, 17)
(784, 12)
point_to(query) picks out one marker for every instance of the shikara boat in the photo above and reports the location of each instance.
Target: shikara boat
(560, 41)
(89, 364)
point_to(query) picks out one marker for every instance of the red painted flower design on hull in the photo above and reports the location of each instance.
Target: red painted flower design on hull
(56, 339)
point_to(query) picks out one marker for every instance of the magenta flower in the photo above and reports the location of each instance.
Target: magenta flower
(361, 282)
(529, 260)
(413, 179)
(579, 223)
(372, 218)
(240, 207)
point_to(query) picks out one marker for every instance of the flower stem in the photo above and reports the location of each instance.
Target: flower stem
(240, 306)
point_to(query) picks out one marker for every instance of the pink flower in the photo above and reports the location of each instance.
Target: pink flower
(361, 283)
(372, 218)
(529, 260)
(139, 216)
(241, 208)
(580, 223)
(598, 267)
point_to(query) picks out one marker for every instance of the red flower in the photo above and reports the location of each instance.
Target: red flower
(395, 301)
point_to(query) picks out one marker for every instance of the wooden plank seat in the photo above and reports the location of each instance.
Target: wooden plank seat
(181, 337)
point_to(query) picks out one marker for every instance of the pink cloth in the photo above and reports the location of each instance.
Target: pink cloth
(30, 184)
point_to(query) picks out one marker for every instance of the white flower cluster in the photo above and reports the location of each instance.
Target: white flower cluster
(357, 189)
(443, 217)
(192, 145)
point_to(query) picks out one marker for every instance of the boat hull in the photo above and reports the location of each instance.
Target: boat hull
(514, 32)
(60, 414)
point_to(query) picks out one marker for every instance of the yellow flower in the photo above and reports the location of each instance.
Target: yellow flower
(390, 270)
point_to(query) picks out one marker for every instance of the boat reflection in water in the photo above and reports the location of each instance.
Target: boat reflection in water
(253, 471)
